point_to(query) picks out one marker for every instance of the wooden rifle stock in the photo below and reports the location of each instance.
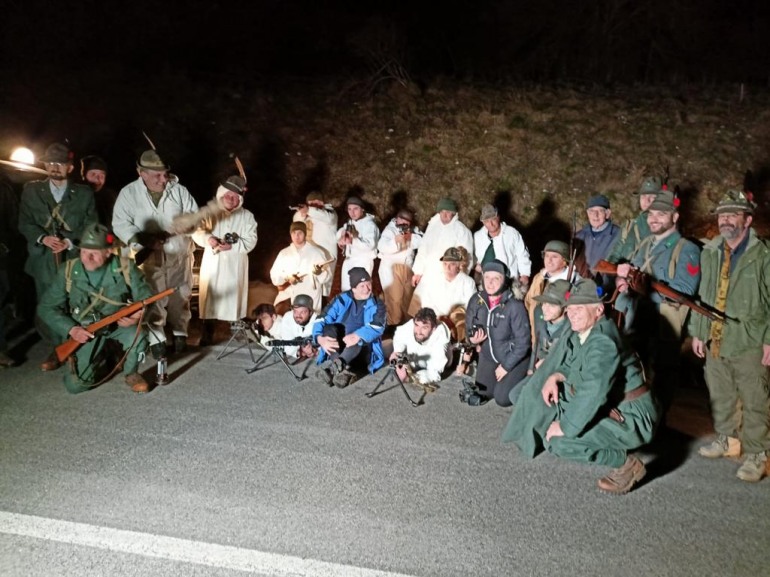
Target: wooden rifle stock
(64, 350)
(643, 280)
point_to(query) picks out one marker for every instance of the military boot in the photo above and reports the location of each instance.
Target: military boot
(621, 481)
(722, 446)
(754, 468)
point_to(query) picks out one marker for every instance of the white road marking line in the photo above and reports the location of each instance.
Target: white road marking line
(183, 550)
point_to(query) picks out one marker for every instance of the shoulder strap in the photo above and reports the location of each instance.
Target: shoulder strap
(126, 270)
(68, 274)
(675, 257)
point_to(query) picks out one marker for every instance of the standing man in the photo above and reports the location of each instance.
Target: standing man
(444, 230)
(588, 402)
(736, 280)
(669, 258)
(358, 240)
(228, 236)
(349, 333)
(321, 221)
(90, 288)
(299, 269)
(9, 220)
(396, 249)
(635, 230)
(499, 241)
(143, 219)
(52, 216)
(600, 234)
(93, 171)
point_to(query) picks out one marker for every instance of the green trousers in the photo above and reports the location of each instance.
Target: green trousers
(740, 378)
(606, 442)
(91, 364)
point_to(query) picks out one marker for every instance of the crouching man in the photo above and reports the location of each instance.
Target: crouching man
(349, 333)
(588, 401)
(424, 343)
(90, 288)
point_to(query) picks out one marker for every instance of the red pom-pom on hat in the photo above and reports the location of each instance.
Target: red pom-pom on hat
(676, 202)
(566, 296)
(664, 187)
(110, 238)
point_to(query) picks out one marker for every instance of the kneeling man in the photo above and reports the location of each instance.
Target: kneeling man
(588, 401)
(88, 289)
(424, 342)
(349, 333)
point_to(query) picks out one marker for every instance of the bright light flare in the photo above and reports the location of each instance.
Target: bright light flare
(23, 155)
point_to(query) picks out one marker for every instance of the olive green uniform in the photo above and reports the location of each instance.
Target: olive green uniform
(93, 296)
(40, 215)
(736, 372)
(599, 373)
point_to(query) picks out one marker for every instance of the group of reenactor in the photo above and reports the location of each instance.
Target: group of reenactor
(587, 350)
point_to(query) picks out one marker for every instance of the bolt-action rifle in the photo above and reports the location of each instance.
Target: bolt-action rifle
(643, 283)
(65, 350)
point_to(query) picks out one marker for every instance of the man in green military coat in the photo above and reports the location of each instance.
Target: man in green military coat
(736, 280)
(52, 215)
(657, 329)
(87, 289)
(635, 230)
(588, 401)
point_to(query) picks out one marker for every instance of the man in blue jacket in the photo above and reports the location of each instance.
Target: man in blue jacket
(349, 333)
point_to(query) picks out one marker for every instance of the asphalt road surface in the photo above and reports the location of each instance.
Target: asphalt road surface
(224, 473)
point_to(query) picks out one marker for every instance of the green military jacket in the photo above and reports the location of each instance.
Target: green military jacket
(598, 374)
(37, 214)
(632, 233)
(62, 309)
(748, 297)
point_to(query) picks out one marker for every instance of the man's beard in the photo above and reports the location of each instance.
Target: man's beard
(419, 340)
(730, 231)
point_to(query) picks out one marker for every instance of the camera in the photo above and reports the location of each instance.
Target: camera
(403, 228)
(231, 237)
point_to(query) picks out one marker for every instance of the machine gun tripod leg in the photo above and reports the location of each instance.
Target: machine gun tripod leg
(392, 374)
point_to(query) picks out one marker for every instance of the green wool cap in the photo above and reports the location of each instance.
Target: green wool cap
(585, 292)
(151, 160)
(555, 293)
(665, 201)
(650, 185)
(736, 201)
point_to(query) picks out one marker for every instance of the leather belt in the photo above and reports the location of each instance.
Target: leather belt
(615, 413)
(635, 393)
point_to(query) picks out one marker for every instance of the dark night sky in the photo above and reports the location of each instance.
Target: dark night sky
(497, 40)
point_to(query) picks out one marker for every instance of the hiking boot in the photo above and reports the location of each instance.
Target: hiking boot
(722, 446)
(180, 344)
(51, 363)
(476, 400)
(343, 378)
(137, 383)
(158, 351)
(6, 361)
(325, 372)
(754, 468)
(621, 481)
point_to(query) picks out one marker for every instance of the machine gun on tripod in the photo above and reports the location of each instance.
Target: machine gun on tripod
(401, 361)
(275, 348)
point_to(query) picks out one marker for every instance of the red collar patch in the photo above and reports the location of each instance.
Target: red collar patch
(693, 269)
